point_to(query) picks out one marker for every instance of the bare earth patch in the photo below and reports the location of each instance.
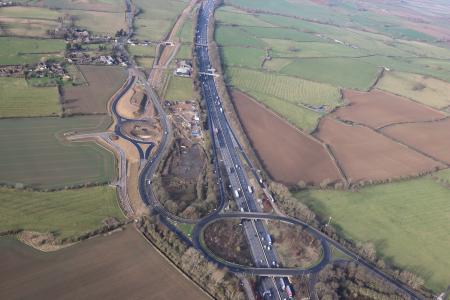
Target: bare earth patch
(120, 266)
(103, 83)
(377, 109)
(430, 138)
(367, 155)
(286, 153)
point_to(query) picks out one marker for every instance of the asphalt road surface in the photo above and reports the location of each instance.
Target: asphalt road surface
(226, 145)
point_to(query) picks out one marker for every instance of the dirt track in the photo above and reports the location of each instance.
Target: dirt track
(365, 154)
(121, 266)
(377, 109)
(431, 138)
(287, 154)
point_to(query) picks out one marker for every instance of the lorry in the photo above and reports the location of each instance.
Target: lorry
(282, 285)
(236, 193)
(250, 190)
(288, 291)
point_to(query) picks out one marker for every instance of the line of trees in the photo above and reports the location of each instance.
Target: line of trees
(216, 281)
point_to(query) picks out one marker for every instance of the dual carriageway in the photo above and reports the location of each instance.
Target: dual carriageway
(226, 146)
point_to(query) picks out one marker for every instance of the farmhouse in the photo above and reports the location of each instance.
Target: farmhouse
(184, 69)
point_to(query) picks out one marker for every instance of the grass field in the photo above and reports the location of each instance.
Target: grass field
(296, 115)
(235, 36)
(28, 21)
(67, 213)
(185, 52)
(444, 174)
(17, 99)
(27, 50)
(281, 33)
(229, 15)
(35, 153)
(179, 89)
(186, 34)
(342, 72)
(157, 18)
(427, 90)
(409, 222)
(292, 89)
(145, 62)
(147, 51)
(99, 22)
(242, 57)
(93, 5)
(289, 48)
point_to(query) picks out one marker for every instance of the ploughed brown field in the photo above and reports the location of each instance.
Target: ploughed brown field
(365, 154)
(377, 109)
(432, 138)
(120, 266)
(286, 153)
(103, 83)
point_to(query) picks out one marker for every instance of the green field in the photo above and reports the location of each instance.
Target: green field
(145, 62)
(281, 33)
(427, 90)
(94, 5)
(289, 48)
(445, 175)
(235, 36)
(28, 21)
(147, 51)
(185, 52)
(243, 57)
(66, 213)
(179, 89)
(297, 115)
(99, 22)
(18, 99)
(156, 18)
(27, 50)
(292, 89)
(409, 223)
(186, 34)
(35, 153)
(342, 72)
(229, 15)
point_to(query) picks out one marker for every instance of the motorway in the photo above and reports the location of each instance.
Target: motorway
(225, 146)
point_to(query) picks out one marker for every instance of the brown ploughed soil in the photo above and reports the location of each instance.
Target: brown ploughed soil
(120, 266)
(287, 154)
(431, 138)
(365, 154)
(377, 109)
(103, 83)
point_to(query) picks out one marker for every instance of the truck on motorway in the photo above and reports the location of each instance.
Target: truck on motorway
(282, 285)
(250, 190)
(236, 193)
(288, 291)
(269, 239)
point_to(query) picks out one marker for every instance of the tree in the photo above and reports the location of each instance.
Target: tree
(411, 279)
